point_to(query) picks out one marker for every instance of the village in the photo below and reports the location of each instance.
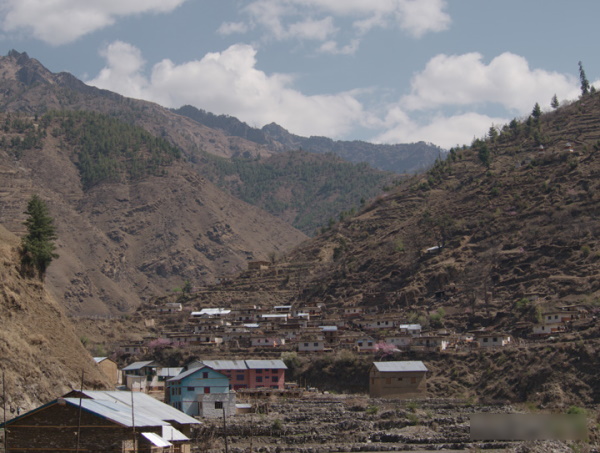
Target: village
(240, 370)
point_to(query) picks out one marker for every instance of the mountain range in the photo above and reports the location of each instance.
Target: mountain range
(146, 199)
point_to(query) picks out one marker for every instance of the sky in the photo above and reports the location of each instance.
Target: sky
(384, 71)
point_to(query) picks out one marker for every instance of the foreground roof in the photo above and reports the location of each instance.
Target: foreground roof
(407, 365)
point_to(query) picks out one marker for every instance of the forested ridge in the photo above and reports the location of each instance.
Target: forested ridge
(313, 189)
(105, 149)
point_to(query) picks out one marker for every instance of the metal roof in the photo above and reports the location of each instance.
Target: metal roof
(143, 404)
(138, 365)
(191, 371)
(226, 364)
(266, 364)
(99, 359)
(172, 435)
(116, 412)
(410, 326)
(156, 440)
(169, 372)
(328, 328)
(408, 365)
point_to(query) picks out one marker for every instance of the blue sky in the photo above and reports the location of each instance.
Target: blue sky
(387, 71)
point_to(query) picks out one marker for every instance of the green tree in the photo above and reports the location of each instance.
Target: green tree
(585, 84)
(554, 102)
(37, 247)
(537, 111)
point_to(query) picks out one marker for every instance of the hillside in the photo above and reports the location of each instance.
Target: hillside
(515, 239)
(40, 354)
(305, 189)
(399, 158)
(226, 158)
(133, 219)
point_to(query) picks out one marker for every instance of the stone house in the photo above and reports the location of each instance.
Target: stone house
(110, 369)
(402, 379)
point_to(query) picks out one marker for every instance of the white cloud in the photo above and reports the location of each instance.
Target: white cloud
(62, 21)
(466, 80)
(281, 18)
(332, 47)
(444, 131)
(228, 82)
(230, 28)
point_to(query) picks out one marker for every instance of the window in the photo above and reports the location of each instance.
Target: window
(190, 389)
(305, 345)
(400, 379)
(316, 344)
(413, 380)
(258, 378)
(240, 377)
(218, 404)
(205, 375)
(274, 378)
(206, 389)
(259, 371)
(485, 340)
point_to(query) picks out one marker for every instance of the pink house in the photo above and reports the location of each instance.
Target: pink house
(249, 374)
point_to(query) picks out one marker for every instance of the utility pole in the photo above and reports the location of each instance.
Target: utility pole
(4, 405)
(79, 417)
(225, 430)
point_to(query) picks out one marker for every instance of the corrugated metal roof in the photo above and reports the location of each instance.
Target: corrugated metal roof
(99, 359)
(226, 364)
(116, 412)
(143, 404)
(191, 371)
(328, 328)
(138, 365)
(172, 435)
(407, 365)
(156, 440)
(169, 372)
(266, 364)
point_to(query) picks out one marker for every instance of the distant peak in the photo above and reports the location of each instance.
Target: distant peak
(20, 57)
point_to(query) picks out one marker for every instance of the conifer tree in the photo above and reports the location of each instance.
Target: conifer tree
(585, 84)
(554, 102)
(37, 247)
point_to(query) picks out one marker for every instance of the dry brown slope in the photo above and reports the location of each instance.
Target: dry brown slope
(527, 227)
(40, 354)
(121, 243)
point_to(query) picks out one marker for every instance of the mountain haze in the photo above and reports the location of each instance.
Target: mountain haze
(399, 158)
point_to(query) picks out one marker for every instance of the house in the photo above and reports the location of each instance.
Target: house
(134, 348)
(110, 369)
(249, 374)
(211, 313)
(201, 392)
(101, 421)
(258, 265)
(561, 316)
(267, 341)
(410, 329)
(365, 344)
(142, 377)
(397, 379)
(171, 307)
(352, 312)
(491, 340)
(378, 324)
(431, 342)
(311, 343)
(400, 341)
(547, 329)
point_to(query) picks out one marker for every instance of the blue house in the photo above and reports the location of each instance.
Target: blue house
(201, 392)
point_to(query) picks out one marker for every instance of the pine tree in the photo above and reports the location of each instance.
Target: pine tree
(585, 84)
(554, 102)
(37, 247)
(537, 111)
